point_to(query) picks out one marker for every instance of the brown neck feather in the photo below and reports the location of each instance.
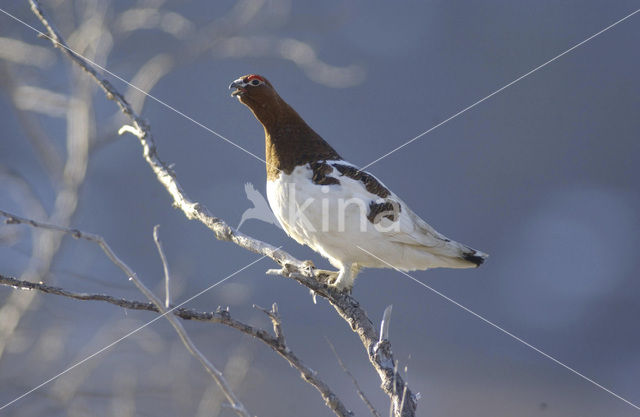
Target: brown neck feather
(289, 140)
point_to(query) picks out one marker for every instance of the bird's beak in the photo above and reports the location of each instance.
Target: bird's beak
(239, 87)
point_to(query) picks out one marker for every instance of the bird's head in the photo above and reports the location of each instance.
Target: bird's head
(253, 91)
(257, 93)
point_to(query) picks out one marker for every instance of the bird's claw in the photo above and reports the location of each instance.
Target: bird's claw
(326, 277)
(330, 278)
(308, 268)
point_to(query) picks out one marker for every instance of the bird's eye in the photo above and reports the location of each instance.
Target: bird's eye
(255, 82)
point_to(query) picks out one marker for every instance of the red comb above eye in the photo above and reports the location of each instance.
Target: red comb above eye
(255, 77)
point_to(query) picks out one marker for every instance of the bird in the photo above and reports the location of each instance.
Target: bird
(345, 214)
(260, 209)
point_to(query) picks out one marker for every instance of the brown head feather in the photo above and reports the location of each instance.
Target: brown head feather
(289, 140)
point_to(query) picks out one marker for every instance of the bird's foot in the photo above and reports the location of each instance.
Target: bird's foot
(326, 277)
(332, 280)
(308, 267)
(337, 281)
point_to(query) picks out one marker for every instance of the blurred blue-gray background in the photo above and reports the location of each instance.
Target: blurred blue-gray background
(542, 176)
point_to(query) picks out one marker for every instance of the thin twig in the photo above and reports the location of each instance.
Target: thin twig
(361, 394)
(275, 321)
(165, 266)
(384, 325)
(379, 353)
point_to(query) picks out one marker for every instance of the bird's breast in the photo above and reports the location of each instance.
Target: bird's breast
(317, 203)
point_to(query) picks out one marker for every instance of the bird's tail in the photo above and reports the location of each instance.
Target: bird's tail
(458, 255)
(450, 255)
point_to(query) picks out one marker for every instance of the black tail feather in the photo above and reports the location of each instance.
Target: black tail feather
(473, 258)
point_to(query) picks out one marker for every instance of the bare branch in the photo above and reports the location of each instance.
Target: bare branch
(212, 370)
(220, 316)
(361, 394)
(379, 352)
(165, 266)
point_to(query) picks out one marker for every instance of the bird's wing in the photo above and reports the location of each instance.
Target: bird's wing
(411, 230)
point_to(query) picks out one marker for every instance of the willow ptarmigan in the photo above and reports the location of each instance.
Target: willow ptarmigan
(328, 204)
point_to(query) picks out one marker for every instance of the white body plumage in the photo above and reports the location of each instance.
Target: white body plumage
(339, 216)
